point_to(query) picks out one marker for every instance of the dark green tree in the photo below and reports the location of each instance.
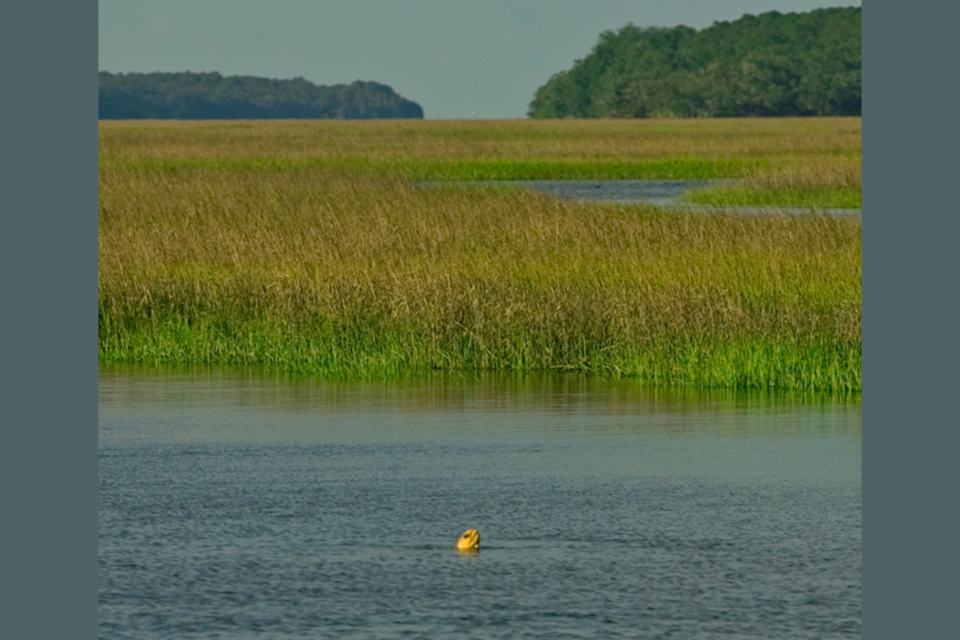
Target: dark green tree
(210, 96)
(774, 64)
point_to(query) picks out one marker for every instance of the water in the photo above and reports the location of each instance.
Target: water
(234, 505)
(621, 191)
(663, 193)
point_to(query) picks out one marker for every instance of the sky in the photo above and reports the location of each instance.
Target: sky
(456, 58)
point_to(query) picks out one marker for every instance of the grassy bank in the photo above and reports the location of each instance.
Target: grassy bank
(340, 268)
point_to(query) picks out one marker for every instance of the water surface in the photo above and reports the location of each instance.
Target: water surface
(621, 191)
(238, 505)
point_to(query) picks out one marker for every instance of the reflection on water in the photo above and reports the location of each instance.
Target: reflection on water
(246, 505)
(621, 191)
(428, 408)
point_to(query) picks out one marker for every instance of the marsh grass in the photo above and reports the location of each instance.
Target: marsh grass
(802, 139)
(331, 263)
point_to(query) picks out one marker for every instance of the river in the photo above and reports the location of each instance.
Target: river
(234, 504)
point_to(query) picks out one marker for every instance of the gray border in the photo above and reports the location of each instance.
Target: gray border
(49, 240)
(910, 304)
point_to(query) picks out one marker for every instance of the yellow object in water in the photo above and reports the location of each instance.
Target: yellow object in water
(469, 541)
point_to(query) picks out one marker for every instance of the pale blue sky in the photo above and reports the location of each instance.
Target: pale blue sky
(456, 58)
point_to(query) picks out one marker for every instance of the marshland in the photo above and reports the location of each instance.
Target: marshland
(305, 246)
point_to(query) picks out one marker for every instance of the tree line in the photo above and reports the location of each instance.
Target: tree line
(211, 96)
(773, 64)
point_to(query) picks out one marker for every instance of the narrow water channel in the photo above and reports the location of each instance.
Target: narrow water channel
(662, 193)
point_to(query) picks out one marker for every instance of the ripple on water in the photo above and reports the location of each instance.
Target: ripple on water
(594, 522)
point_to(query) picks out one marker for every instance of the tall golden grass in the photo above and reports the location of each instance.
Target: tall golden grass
(344, 272)
(793, 139)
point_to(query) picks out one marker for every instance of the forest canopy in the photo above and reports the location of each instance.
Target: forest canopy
(211, 96)
(773, 64)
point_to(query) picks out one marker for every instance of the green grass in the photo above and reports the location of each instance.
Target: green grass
(831, 197)
(368, 349)
(663, 169)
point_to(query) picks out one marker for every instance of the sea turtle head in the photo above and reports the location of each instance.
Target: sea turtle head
(469, 541)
